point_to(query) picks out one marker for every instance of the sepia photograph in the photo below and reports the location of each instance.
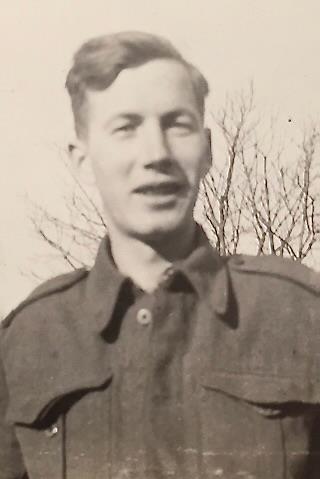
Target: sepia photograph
(160, 239)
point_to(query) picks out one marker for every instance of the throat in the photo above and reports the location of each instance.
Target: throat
(147, 264)
(141, 264)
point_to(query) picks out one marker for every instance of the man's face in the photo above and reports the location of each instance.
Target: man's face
(148, 149)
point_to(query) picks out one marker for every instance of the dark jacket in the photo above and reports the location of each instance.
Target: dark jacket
(250, 373)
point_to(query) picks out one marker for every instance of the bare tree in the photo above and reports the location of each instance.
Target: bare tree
(262, 191)
(283, 200)
(222, 190)
(74, 237)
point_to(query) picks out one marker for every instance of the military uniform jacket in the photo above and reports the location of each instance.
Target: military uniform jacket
(241, 401)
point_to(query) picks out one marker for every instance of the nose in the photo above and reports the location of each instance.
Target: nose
(157, 149)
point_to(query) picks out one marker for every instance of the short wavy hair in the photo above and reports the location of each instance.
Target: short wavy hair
(99, 61)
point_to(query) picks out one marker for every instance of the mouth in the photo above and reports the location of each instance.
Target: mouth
(167, 188)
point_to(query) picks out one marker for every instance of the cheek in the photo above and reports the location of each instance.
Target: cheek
(105, 174)
(193, 158)
(104, 163)
(192, 145)
(111, 157)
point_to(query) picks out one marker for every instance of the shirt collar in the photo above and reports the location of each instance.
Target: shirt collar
(204, 268)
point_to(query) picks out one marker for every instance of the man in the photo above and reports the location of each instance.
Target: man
(165, 360)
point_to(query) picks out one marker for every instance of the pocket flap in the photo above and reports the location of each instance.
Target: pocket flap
(263, 389)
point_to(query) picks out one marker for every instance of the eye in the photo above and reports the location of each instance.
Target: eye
(125, 128)
(181, 124)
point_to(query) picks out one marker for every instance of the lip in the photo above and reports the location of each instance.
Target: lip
(163, 188)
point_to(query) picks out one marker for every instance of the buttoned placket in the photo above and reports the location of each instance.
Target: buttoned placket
(130, 362)
(148, 365)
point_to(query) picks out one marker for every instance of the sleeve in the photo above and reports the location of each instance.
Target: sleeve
(11, 461)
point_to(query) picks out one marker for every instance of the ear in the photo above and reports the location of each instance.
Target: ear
(207, 132)
(77, 153)
(81, 163)
(209, 142)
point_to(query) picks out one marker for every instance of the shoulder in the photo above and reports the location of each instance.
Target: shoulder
(273, 269)
(51, 287)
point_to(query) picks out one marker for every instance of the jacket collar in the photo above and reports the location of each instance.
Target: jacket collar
(104, 287)
(208, 274)
(204, 269)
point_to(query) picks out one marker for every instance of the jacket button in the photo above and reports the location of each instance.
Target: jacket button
(218, 472)
(168, 274)
(144, 317)
(52, 431)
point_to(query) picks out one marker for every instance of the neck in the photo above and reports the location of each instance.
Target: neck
(145, 262)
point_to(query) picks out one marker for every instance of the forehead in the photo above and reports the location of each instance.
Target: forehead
(156, 87)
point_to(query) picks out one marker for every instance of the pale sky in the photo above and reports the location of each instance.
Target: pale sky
(275, 43)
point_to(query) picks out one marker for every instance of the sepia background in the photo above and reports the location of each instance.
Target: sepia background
(274, 46)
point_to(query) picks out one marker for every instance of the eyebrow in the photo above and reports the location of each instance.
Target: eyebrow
(123, 116)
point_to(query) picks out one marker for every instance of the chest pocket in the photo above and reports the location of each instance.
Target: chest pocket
(264, 424)
(71, 440)
(43, 449)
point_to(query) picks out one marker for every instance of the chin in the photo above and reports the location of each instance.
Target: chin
(161, 230)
